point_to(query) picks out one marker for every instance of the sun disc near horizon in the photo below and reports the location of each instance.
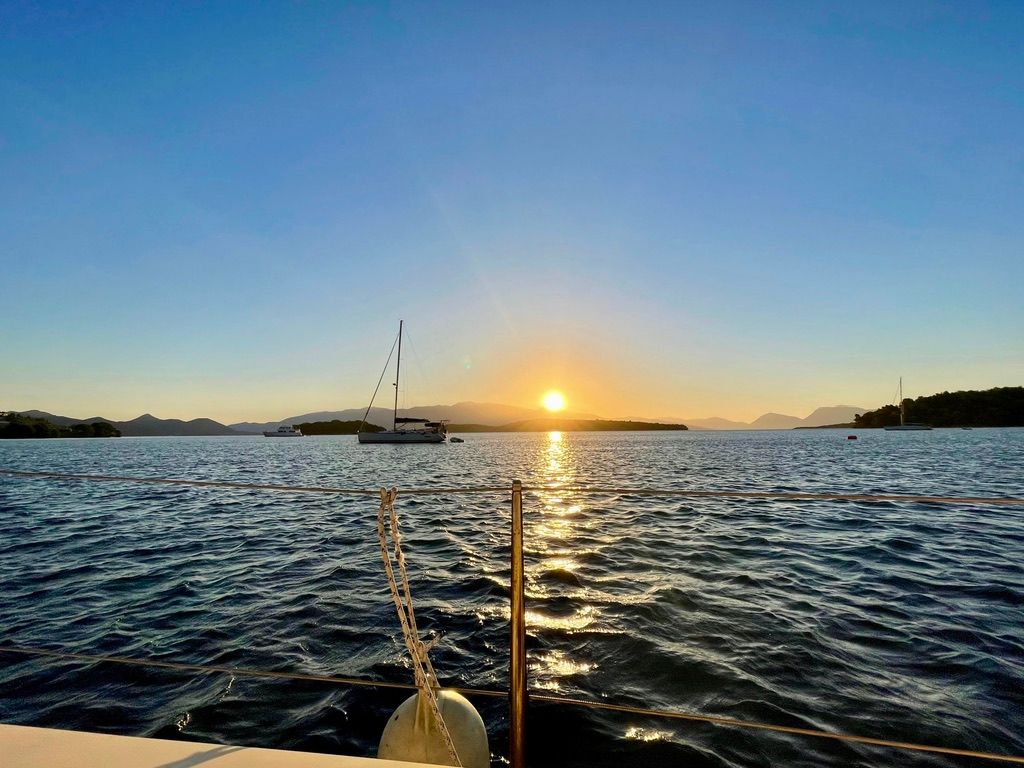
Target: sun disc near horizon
(553, 401)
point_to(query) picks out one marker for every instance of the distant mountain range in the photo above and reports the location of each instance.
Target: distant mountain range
(489, 414)
(833, 414)
(146, 425)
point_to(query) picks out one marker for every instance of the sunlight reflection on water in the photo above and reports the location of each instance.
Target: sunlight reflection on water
(830, 614)
(553, 543)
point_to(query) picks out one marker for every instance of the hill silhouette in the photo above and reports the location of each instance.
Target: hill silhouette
(335, 427)
(146, 425)
(817, 418)
(467, 412)
(550, 424)
(998, 407)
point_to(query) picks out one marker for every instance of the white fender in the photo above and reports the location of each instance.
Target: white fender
(412, 735)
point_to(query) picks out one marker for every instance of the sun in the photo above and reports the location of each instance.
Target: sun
(554, 400)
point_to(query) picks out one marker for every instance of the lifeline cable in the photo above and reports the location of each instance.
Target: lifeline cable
(798, 496)
(547, 698)
(1009, 501)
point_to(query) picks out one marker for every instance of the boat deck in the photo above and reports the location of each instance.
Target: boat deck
(26, 747)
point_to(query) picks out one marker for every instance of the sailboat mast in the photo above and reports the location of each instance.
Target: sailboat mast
(398, 370)
(901, 390)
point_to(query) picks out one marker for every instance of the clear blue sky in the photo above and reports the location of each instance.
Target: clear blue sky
(663, 209)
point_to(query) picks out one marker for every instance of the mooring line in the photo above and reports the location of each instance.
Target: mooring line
(485, 489)
(727, 722)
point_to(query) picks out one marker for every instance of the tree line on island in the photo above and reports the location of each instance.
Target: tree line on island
(571, 425)
(337, 427)
(15, 425)
(998, 407)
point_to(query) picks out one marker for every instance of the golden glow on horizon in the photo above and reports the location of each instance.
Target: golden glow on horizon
(554, 401)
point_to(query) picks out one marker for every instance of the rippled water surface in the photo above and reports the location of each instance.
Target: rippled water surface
(894, 620)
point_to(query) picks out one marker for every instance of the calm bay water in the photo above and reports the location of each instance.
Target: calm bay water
(902, 621)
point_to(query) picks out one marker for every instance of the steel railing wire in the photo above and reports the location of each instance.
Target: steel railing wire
(534, 696)
(697, 493)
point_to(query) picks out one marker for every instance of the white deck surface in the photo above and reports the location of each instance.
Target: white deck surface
(25, 747)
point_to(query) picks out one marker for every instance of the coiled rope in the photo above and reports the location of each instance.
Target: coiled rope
(423, 670)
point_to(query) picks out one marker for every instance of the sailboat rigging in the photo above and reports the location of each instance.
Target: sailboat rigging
(403, 429)
(905, 426)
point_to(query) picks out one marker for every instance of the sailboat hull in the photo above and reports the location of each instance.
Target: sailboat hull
(401, 437)
(908, 428)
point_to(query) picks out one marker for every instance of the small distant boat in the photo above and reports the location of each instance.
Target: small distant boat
(285, 430)
(460, 440)
(403, 430)
(906, 426)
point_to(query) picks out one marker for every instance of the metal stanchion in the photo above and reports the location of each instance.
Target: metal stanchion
(517, 643)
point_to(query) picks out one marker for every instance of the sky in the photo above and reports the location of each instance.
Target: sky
(660, 209)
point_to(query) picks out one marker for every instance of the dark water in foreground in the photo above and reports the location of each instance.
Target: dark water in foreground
(902, 621)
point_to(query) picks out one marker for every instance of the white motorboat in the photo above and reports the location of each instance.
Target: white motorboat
(285, 430)
(403, 429)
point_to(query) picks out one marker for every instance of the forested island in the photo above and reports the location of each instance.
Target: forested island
(15, 425)
(998, 407)
(570, 425)
(336, 427)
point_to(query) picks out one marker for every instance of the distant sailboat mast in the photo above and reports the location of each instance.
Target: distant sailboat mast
(398, 377)
(901, 414)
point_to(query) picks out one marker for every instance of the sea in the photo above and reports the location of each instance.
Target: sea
(895, 620)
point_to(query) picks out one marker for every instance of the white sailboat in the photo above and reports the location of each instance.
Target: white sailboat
(403, 429)
(905, 426)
